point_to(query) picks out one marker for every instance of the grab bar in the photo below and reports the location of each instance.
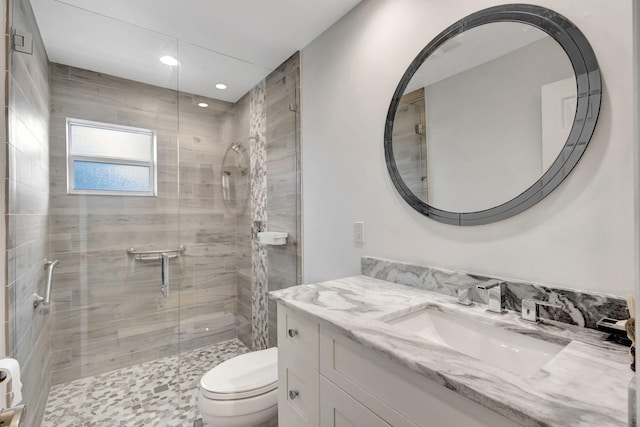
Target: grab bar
(37, 299)
(154, 254)
(164, 257)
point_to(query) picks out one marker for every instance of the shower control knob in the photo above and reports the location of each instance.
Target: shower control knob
(293, 394)
(292, 332)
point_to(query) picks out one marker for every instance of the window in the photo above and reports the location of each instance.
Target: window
(110, 159)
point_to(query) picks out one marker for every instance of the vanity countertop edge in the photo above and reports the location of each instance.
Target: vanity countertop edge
(583, 385)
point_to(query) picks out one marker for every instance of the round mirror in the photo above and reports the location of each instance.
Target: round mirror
(492, 115)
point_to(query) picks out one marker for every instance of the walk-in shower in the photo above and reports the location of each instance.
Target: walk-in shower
(152, 289)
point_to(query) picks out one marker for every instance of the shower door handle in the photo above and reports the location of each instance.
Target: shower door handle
(164, 260)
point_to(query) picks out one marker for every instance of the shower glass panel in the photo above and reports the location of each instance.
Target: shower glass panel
(207, 225)
(282, 98)
(116, 338)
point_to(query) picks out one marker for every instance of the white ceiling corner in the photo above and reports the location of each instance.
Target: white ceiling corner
(235, 42)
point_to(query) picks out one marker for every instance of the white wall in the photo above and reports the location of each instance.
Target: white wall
(581, 236)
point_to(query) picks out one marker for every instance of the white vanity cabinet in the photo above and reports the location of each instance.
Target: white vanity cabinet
(326, 379)
(298, 377)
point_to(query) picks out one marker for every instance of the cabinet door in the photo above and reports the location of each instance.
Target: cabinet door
(399, 396)
(297, 392)
(338, 409)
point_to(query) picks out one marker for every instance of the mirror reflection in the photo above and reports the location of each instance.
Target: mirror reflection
(484, 117)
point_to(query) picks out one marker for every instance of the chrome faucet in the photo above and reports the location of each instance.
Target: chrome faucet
(495, 292)
(531, 309)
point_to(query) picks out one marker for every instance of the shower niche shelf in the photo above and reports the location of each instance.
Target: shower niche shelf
(272, 237)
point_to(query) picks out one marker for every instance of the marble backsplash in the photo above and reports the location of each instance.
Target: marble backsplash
(578, 307)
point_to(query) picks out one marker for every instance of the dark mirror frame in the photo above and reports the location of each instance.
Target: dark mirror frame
(589, 93)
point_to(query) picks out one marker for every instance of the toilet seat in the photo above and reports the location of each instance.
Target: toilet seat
(242, 377)
(235, 396)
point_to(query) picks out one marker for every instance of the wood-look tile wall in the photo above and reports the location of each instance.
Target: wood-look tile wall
(27, 185)
(284, 265)
(109, 312)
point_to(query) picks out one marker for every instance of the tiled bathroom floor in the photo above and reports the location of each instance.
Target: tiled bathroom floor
(159, 393)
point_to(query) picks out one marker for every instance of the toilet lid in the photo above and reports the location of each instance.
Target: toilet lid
(243, 376)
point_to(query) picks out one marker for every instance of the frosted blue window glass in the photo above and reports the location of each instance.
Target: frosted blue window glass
(105, 158)
(110, 177)
(116, 143)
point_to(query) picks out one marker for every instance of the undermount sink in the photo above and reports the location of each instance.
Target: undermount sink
(517, 353)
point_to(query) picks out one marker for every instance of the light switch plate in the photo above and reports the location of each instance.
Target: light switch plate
(358, 232)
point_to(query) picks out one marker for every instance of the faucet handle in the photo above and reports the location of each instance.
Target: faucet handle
(464, 295)
(495, 294)
(531, 308)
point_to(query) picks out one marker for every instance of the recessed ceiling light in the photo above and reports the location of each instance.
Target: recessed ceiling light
(202, 104)
(168, 60)
(221, 86)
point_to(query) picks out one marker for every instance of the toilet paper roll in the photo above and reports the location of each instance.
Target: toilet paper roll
(11, 367)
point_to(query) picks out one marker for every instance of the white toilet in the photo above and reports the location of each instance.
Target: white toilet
(241, 391)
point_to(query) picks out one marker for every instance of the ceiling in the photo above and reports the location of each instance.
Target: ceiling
(235, 42)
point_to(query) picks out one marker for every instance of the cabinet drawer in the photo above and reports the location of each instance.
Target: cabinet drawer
(298, 336)
(298, 387)
(338, 409)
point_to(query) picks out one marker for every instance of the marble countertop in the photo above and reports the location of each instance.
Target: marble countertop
(583, 385)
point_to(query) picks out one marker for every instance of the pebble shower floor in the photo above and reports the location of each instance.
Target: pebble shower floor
(140, 395)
